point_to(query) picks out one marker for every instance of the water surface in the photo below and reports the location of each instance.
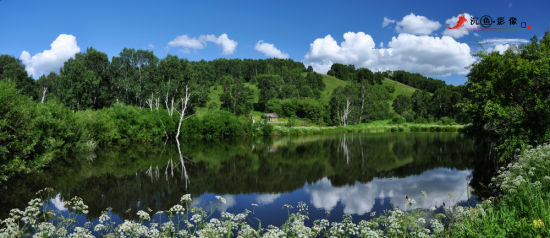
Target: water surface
(334, 174)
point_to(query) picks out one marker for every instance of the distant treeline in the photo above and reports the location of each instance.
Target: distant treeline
(432, 101)
(137, 77)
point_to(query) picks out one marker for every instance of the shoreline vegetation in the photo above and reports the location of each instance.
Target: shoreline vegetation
(371, 127)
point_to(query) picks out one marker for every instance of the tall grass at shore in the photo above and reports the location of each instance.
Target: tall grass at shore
(371, 127)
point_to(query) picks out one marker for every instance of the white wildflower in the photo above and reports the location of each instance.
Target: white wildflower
(196, 218)
(104, 218)
(437, 227)
(81, 232)
(99, 227)
(177, 209)
(186, 198)
(143, 216)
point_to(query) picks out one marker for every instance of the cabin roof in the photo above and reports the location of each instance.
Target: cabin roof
(271, 115)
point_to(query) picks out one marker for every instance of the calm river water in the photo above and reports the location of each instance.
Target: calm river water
(334, 174)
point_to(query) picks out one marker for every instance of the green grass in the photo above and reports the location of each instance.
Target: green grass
(370, 127)
(331, 83)
(400, 89)
(213, 97)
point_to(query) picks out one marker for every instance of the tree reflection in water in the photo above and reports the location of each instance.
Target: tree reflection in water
(355, 170)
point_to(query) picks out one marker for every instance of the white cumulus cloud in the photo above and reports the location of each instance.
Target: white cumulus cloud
(387, 21)
(228, 45)
(418, 25)
(501, 44)
(62, 48)
(463, 31)
(184, 41)
(428, 55)
(270, 50)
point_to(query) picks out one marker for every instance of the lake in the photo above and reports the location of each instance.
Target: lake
(333, 174)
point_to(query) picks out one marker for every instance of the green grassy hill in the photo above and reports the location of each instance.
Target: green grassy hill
(331, 83)
(400, 88)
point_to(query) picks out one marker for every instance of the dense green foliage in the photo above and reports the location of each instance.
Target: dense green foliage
(236, 97)
(401, 104)
(12, 69)
(365, 102)
(349, 73)
(32, 133)
(416, 80)
(137, 97)
(137, 77)
(508, 95)
(223, 124)
(307, 108)
(434, 99)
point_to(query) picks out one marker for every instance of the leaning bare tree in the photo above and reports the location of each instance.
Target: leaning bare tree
(346, 112)
(184, 102)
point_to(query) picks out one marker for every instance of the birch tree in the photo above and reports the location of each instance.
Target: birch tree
(184, 101)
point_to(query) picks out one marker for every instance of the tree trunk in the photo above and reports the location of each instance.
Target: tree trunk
(346, 112)
(183, 108)
(362, 103)
(172, 108)
(43, 94)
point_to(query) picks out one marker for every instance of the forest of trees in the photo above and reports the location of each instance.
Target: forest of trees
(137, 77)
(136, 97)
(367, 100)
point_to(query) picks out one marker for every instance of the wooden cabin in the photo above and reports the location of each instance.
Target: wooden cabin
(271, 116)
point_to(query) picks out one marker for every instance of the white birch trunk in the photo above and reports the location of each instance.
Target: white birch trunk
(43, 94)
(183, 108)
(346, 112)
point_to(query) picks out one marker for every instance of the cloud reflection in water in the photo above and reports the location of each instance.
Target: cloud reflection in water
(441, 185)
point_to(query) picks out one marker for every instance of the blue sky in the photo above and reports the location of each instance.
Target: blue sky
(291, 26)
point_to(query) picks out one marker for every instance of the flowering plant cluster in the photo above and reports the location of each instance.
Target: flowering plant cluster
(185, 220)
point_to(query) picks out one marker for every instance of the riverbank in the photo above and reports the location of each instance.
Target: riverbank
(371, 127)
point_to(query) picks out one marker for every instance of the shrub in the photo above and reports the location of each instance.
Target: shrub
(397, 119)
(31, 133)
(291, 122)
(409, 116)
(446, 121)
(265, 128)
